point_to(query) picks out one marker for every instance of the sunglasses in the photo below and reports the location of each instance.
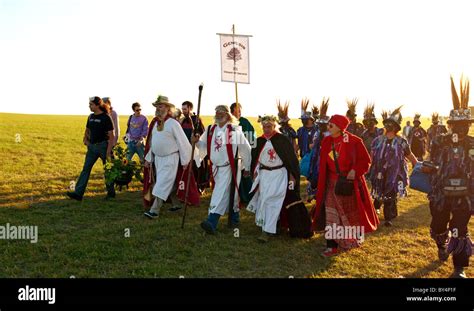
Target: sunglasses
(137, 110)
(331, 125)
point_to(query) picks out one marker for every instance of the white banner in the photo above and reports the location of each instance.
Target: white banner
(235, 58)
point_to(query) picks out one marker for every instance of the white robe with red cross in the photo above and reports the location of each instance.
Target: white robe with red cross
(221, 169)
(268, 200)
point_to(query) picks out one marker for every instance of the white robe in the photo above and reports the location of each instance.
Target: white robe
(167, 148)
(268, 199)
(221, 171)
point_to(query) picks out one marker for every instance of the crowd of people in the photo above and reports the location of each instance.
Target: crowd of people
(353, 170)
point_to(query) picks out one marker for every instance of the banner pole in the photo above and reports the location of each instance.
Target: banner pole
(235, 82)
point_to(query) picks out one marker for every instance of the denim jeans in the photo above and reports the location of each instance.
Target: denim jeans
(94, 152)
(132, 149)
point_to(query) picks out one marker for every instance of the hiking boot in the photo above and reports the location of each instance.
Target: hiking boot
(206, 226)
(74, 196)
(458, 273)
(443, 254)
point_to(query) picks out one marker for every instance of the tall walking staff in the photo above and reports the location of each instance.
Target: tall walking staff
(190, 167)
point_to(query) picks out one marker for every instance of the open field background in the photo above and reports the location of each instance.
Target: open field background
(42, 155)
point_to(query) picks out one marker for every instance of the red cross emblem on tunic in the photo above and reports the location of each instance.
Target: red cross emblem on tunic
(218, 143)
(272, 155)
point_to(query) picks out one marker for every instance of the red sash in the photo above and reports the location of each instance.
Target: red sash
(230, 154)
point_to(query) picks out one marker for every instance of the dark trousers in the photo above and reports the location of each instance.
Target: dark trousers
(390, 209)
(456, 218)
(94, 152)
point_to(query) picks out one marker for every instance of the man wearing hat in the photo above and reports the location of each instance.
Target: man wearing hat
(308, 131)
(370, 123)
(167, 146)
(229, 152)
(322, 121)
(436, 129)
(452, 195)
(285, 127)
(354, 127)
(389, 172)
(418, 139)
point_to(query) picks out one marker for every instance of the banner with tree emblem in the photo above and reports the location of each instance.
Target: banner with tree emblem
(235, 58)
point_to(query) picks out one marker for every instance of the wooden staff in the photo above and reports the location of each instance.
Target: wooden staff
(190, 165)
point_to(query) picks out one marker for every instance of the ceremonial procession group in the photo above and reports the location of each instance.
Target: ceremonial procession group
(353, 170)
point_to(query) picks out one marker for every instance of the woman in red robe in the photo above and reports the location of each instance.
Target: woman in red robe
(346, 218)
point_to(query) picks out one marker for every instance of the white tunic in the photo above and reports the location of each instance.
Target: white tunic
(268, 199)
(167, 148)
(220, 164)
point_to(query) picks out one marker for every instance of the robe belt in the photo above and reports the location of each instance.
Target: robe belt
(216, 169)
(168, 154)
(269, 168)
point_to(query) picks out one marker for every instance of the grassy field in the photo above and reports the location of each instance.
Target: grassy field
(42, 155)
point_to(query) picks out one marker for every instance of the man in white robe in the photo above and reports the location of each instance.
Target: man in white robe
(270, 181)
(169, 146)
(222, 133)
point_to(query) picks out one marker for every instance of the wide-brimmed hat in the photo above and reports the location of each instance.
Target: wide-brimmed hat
(162, 100)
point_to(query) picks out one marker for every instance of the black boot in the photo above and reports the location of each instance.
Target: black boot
(458, 273)
(443, 254)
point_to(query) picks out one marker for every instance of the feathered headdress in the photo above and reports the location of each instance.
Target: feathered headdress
(351, 106)
(315, 112)
(369, 114)
(304, 107)
(461, 111)
(393, 117)
(417, 118)
(323, 111)
(435, 118)
(283, 112)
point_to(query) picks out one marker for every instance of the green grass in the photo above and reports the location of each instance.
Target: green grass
(88, 239)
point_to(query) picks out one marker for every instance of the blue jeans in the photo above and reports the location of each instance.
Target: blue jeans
(132, 149)
(94, 152)
(213, 219)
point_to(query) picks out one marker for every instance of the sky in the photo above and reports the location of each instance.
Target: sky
(55, 54)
